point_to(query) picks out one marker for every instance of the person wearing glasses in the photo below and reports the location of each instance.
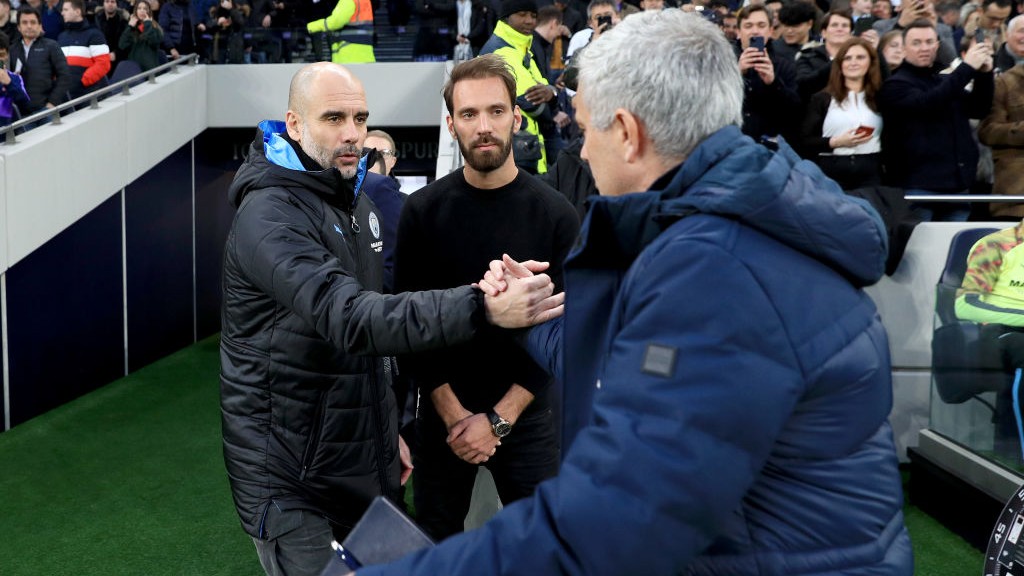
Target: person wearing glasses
(387, 155)
(386, 194)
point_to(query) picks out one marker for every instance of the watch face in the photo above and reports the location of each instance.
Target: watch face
(502, 428)
(1005, 554)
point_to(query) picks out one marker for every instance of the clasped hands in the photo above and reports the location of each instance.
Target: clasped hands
(517, 295)
(472, 438)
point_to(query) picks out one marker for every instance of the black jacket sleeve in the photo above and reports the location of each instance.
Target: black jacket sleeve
(979, 103)
(276, 246)
(902, 95)
(812, 142)
(62, 84)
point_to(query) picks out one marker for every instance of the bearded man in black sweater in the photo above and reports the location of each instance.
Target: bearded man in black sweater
(484, 402)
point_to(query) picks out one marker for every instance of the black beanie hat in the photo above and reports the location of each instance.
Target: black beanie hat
(510, 7)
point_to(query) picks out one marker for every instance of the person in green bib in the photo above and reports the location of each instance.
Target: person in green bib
(993, 288)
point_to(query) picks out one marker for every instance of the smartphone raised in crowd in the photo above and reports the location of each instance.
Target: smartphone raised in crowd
(604, 22)
(757, 42)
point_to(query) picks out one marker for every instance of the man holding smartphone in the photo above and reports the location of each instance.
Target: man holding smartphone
(771, 105)
(914, 10)
(927, 144)
(602, 16)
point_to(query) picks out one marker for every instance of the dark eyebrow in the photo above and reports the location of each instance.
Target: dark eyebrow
(330, 113)
(495, 106)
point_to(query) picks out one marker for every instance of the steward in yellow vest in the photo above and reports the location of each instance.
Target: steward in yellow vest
(349, 29)
(512, 41)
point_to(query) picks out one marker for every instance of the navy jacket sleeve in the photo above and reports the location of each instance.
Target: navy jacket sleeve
(664, 461)
(544, 344)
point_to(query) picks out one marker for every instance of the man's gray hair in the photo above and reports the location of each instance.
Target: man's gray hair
(1014, 23)
(675, 71)
(595, 3)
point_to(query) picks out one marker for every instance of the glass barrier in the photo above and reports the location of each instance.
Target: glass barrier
(976, 367)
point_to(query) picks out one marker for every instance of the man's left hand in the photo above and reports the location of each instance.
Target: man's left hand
(539, 93)
(765, 69)
(406, 458)
(526, 302)
(473, 440)
(494, 283)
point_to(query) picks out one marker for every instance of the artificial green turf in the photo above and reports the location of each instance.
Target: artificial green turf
(130, 480)
(126, 480)
(937, 551)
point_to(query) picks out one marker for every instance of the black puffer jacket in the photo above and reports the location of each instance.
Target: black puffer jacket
(308, 415)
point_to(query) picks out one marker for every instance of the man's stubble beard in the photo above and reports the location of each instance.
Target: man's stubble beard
(486, 161)
(324, 157)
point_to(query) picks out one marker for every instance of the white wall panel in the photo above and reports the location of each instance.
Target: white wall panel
(57, 174)
(910, 414)
(906, 300)
(162, 117)
(398, 93)
(5, 230)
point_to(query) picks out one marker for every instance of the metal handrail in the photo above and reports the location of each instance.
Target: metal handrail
(994, 198)
(93, 98)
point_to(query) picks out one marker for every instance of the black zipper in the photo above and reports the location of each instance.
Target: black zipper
(379, 436)
(314, 434)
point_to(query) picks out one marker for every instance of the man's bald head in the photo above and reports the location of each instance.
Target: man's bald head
(327, 115)
(304, 80)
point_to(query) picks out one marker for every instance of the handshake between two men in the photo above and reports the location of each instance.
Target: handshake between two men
(518, 295)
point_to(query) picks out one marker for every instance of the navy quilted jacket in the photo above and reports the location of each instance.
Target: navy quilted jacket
(727, 387)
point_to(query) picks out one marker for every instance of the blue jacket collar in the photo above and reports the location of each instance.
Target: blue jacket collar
(776, 193)
(280, 153)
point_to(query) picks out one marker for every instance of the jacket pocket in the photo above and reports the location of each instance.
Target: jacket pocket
(315, 431)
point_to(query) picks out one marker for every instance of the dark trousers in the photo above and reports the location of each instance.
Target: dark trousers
(853, 171)
(298, 542)
(444, 482)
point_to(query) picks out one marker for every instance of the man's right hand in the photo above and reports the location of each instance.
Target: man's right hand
(494, 283)
(913, 10)
(757, 60)
(979, 56)
(472, 439)
(524, 302)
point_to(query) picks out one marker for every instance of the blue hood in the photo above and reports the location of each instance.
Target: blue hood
(279, 151)
(776, 193)
(273, 162)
